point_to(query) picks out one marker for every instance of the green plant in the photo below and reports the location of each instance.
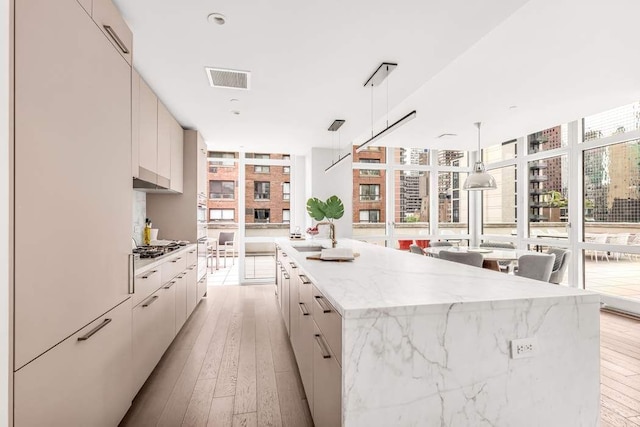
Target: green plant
(331, 209)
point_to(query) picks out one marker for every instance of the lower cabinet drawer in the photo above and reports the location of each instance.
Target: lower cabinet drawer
(329, 321)
(201, 288)
(192, 291)
(83, 381)
(154, 328)
(145, 284)
(327, 384)
(192, 256)
(173, 266)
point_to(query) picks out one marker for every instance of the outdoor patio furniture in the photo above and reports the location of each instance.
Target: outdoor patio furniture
(537, 267)
(560, 264)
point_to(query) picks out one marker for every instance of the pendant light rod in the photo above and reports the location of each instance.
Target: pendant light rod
(478, 124)
(338, 161)
(387, 130)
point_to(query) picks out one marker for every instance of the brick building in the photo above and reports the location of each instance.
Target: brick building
(369, 187)
(267, 189)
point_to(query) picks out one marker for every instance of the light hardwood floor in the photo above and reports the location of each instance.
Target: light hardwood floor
(232, 365)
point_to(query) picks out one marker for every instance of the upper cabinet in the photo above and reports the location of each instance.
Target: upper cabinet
(177, 155)
(202, 168)
(164, 145)
(148, 132)
(108, 18)
(157, 140)
(72, 155)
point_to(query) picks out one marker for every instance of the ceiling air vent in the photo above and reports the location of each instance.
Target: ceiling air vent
(230, 79)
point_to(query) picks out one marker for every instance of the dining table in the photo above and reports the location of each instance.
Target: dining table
(490, 256)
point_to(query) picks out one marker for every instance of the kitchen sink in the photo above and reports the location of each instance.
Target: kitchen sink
(306, 248)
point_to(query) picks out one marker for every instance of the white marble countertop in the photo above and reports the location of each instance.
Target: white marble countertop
(144, 264)
(402, 283)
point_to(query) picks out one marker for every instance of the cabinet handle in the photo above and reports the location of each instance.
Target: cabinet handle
(284, 255)
(176, 260)
(278, 263)
(305, 279)
(323, 347)
(132, 274)
(116, 39)
(170, 284)
(286, 276)
(89, 334)
(303, 309)
(293, 265)
(151, 273)
(192, 252)
(150, 301)
(323, 305)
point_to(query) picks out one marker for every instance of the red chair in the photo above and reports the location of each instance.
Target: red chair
(404, 244)
(422, 243)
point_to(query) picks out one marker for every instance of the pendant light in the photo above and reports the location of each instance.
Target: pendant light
(479, 180)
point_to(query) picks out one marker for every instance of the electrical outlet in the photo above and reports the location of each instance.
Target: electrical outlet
(525, 347)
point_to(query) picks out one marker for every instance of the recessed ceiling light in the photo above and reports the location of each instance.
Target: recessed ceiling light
(217, 18)
(235, 112)
(447, 135)
(513, 107)
(234, 100)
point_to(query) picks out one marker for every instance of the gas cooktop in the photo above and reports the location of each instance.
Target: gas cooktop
(150, 251)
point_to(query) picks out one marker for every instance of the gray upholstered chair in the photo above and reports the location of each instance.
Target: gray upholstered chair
(498, 245)
(470, 258)
(560, 264)
(537, 267)
(226, 245)
(415, 249)
(436, 244)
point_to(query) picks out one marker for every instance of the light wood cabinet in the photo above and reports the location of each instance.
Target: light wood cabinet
(192, 291)
(164, 143)
(153, 330)
(181, 300)
(294, 301)
(145, 284)
(285, 297)
(201, 167)
(86, 5)
(86, 380)
(135, 123)
(177, 156)
(327, 384)
(201, 289)
(107, 17)
(305, 339)
(72, 160)
(148, 129)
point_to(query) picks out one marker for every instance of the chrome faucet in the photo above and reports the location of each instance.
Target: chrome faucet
(332, 232)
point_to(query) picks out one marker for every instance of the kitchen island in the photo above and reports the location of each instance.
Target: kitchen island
(428, 342)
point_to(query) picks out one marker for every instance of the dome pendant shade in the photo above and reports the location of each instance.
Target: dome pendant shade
(479, 180)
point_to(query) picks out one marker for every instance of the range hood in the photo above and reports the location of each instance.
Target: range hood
(151, 182)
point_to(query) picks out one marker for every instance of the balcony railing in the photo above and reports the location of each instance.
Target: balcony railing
(538, 178)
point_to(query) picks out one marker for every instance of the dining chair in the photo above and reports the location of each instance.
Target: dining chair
(559, 265)
(415, 249)
(226, 245)
(600, 238)
(619, 239)
(537, 267)
(470, 258)
(437, 244)
(504, 266)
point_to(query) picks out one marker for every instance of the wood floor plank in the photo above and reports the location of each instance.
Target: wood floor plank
(221, 412)
(245, 400)
(176, 406)
(227, 378)
(200, 404)
(630, 381)
(248, 419)
(290, 400)
(213, 358)
(148, 405)
(268, 406)
(611, 419)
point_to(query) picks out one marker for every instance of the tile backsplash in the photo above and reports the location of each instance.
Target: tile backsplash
(139, 215)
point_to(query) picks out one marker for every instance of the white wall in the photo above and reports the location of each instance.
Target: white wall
(5, 260)
(338, 181)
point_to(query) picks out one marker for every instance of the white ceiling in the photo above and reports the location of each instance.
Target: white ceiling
(460, 61)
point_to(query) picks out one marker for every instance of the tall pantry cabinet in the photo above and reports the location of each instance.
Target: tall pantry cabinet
(72, 336)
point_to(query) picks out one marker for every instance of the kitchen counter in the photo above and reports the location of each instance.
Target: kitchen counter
(428, 342)
(144, 264)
